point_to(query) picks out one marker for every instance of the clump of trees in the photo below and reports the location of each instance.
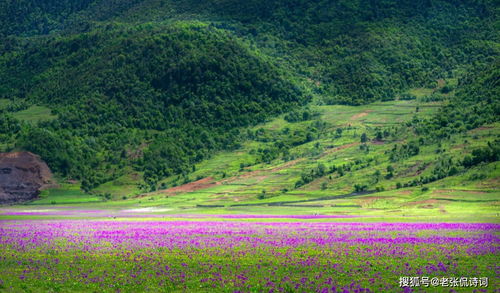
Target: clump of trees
(298, 116)
(404, 151)
(449, 166)
(487, 154)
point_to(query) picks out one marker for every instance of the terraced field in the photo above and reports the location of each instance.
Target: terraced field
(371, 183)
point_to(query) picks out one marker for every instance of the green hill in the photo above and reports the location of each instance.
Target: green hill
(131, 96)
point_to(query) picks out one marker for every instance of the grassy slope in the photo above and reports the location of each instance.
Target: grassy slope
(470, 195)
(314, 49)
(65, 194)
(35, 114)
(340, 51)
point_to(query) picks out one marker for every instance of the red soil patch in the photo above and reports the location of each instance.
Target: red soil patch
(244, 175)
(360, 115)
(440, 191)
(377, 142)
(137, 153)
(405, 192)
(426, 204)
(481, 129)
(192, 186)
(367, 201)
(135, 176)
(459, 146)
(342, 147)
(441, 83)
(232, 197)
(447, 191)
(258, 174)
(414, 170)
(316, 82)
(375, 197)
(420, 171)
(287, 164)
(492, 183)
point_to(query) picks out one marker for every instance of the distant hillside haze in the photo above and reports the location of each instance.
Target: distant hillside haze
(155, 86)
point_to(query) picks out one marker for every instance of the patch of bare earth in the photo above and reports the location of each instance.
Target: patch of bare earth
(192, 186)
(479, 129)
(422, 169)
(138, 152)
(459, 146)
(252, 174)
(135, 176)
(414, 170)
(231, 197)
(448, 191)
(260, 174)
(360, 115)
(287, 165)
(484, 128)
(370, 200)
(424, 204)
(342, 147)
(441, 83)
(405, 192)
(493, 183)
(428, 204)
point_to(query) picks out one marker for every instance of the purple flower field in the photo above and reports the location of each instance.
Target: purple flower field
(237, 256)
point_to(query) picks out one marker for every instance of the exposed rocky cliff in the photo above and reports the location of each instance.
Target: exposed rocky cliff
(22, 175)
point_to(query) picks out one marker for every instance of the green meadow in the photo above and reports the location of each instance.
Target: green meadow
(251, 180)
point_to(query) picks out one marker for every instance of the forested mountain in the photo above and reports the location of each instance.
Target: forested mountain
(158, 85)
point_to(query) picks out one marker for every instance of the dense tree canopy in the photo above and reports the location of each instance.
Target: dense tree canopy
(159, 85)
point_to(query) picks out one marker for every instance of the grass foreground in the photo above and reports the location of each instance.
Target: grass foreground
(237, 255)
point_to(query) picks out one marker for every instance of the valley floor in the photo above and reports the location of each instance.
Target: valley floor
(332, 173)
(142, 250)
(333, 214)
